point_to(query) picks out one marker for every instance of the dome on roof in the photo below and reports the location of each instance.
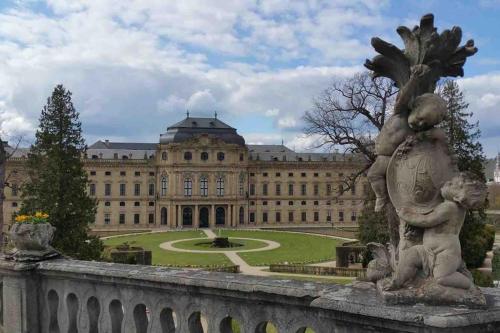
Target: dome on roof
(190, 127)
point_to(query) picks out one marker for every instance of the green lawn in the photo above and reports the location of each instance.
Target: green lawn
(151, 241)
(205, 245)
(295, 247)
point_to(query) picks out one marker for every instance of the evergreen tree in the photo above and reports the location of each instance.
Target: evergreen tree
(57, 181)
(463, 141)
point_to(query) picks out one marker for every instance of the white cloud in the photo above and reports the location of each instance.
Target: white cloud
(272, 112)
(287, 122)
(202, 101)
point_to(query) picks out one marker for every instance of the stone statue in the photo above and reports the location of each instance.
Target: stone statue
(415, 170)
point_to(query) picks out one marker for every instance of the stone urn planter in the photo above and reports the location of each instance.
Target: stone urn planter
(32, 241)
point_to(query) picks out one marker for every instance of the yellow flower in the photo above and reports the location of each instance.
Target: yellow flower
(21, 218)
(45, 215)
(38, 214)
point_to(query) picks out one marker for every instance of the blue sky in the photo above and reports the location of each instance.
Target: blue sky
(134, 67)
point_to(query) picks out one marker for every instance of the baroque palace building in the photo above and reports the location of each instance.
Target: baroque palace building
(202, 174)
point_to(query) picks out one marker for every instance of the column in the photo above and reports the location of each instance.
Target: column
(196, 221)
(212, 216)
(179, 216)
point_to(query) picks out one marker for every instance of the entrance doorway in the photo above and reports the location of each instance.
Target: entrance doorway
(242, 215)
(163, 220)
(204, 217)
(220, 216)
(187, 217)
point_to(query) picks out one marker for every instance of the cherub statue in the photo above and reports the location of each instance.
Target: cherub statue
(410, 115)
(440, 254)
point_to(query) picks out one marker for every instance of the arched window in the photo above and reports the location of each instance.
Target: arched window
(188, 187)
(164, 186)
(204, 186)
(220, 186)
(220, 156)
(164, 156)
(188, 156)
(204, 156)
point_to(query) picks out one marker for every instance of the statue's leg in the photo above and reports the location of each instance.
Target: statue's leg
(410, 261)
(445, 271)
(376, 176)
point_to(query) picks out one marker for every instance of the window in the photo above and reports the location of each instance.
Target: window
(278, 217)
(303, 216)
(290, 216)
(220, 156)
(316, 203)
(92, 173)
(137, 173)
(278, 203)
(278, 189)
(164, 186)
(151, 218)
(341, 216)
(252, 174)
(151, 204)
(122, 219)
(14, 204)
(204, 186)
(290, 174)
(122, 203)
(91, 190)
(107, 218)
(353, 217)
(316, 174)
(316, 216)
(107, 203)
(107, 173)
(252, 217)
(220, 187)
(151, 173)
(264, 189)
(264, 174)
(242, 157)
(188, 187)
(204, 156)
(137, 218)
(264, 217)
(329, 216)
(278, 174)
(264, 203)
(123, 173)
(353, 189)
(341, 189)
(151, 189)
(303, 203)
(316, 189)
(328, 202)
(303, 189)
(164, 156)
(242, 187)
(122, 189)
(252, 203)
(328, 174)
(290, 189)
(137, 204)
(252, 189)
(328, 189)
(137, 189)
(107, 189)
(303, 174)
(290, 203)
(188, 156)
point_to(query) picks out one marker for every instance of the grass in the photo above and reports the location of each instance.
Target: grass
(152, 241)
(205, 245)
(295, 247)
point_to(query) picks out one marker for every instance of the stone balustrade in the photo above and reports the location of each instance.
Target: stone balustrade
(68, 296)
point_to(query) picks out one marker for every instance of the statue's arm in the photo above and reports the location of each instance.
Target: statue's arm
(439, 215)
(410, 89)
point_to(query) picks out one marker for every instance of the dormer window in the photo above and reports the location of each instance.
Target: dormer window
(188, 156)
(164, 156)
(204, 156)
(220, 156)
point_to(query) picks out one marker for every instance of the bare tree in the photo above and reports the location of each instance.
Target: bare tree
(349, 114)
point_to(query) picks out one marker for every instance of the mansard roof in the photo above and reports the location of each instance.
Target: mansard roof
(123, 145)
(192, 126)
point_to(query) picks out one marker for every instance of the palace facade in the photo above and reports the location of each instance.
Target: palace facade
(202, 174)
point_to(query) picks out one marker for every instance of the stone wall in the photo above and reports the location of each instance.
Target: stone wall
(77, 296)
(319, 270)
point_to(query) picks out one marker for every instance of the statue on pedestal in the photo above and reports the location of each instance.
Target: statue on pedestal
(415, 170)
